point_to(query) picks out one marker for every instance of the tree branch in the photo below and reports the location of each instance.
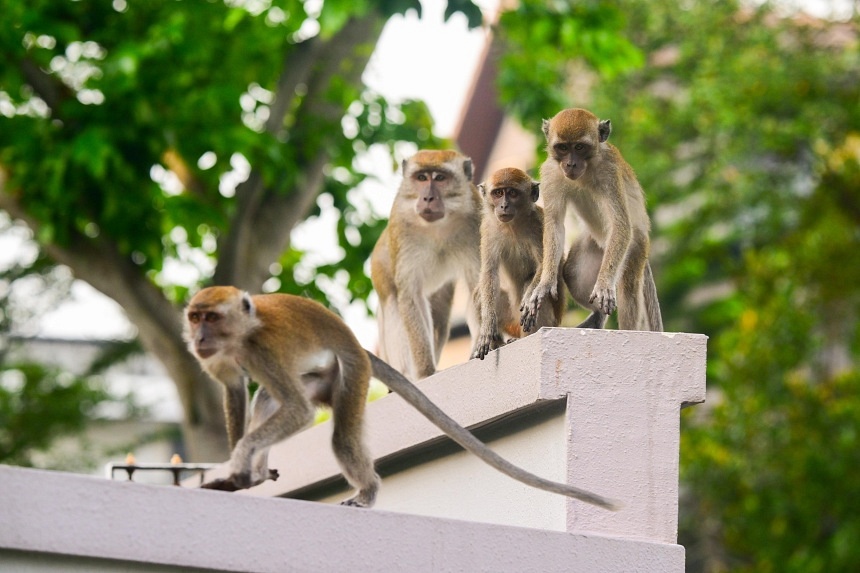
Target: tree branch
(260, 231)
(52, 91)
(298, 63)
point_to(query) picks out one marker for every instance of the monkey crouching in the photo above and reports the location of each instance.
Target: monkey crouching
(302, 354)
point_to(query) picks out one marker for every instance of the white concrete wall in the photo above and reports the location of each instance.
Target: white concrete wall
(621, 434)
(54, 522)
(460, 486)
(617, 434)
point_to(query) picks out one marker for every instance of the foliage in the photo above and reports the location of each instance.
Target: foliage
(746, 137)
(34, 409)
(141, 139)
(190, 80)
(539, 40)
(155, 146)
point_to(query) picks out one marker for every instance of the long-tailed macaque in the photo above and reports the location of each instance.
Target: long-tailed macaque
(302, 354)
(511, 257)
(607, 266)
(432, 239)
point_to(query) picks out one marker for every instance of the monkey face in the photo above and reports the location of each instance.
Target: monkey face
(437, 182)
(212, 318)
(506, 202)
(204, 327)
(573, 139)
(431, 186)
(507, 191)
(572, 157)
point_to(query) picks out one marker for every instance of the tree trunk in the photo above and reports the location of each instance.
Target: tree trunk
(258, 235)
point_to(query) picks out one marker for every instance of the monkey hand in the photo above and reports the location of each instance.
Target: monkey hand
(487, 343)
(603, 297)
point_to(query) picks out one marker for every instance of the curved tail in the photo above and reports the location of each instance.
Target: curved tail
(409, 392)
(652, 305)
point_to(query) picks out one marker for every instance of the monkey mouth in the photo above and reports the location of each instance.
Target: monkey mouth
(505, 217)
(431, 216)
(573, 173)
(206, 352)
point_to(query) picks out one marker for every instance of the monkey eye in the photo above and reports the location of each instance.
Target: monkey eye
(562, 147)
(421, 177)
(193, 317)
(212, 317)
(439, 177)
(579, 147)
(498, 192)
(513, 193)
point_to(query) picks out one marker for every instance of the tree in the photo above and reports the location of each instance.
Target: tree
(125, 123)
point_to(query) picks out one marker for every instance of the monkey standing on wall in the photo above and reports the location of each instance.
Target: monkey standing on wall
(511, 253)
(432, 239)
(302, 354)
(607, 266)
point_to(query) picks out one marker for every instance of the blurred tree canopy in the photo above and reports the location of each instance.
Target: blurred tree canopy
(125, 125)
(743, 125)
(142, 138)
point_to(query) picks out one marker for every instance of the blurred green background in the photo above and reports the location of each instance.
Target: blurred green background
(742, 121)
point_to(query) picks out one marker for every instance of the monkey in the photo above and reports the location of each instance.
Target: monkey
(607, 266)
(511, 252)
(432, 239)
(302, 354)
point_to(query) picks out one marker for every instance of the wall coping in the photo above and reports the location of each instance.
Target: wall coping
(72, 515)
(608, 377)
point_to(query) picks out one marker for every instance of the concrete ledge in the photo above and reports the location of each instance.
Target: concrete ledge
(619, 434)
(48, 513)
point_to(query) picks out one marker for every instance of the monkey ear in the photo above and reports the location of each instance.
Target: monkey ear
(535, 191)
(247, 303)
(604, 128)
(467, 168)
(545, 127)
(482, 187)
(403, 166)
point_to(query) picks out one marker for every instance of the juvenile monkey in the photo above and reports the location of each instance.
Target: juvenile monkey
(607, 266)
(511, 257)
(302, 354)
(432, 239)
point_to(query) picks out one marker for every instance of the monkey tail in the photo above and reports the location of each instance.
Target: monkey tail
(409, 392)
(652, 305)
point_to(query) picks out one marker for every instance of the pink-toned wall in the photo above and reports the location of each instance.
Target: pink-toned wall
(613, 428)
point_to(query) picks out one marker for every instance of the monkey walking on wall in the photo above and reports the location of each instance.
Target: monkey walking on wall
(432, 240)
(511, 257)
(607, 266)
(302, 354)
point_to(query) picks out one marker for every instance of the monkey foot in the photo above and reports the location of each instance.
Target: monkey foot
(231, 483)
(352, 502)
(221, 484)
